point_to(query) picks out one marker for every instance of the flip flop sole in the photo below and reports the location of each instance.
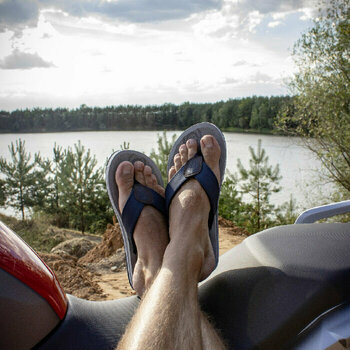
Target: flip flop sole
(115, 159)
(196, 132)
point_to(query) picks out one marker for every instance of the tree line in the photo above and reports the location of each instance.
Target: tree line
(249, 113)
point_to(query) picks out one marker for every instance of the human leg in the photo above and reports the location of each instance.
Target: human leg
(169, 315)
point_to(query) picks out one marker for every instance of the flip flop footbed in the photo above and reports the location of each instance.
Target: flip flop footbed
(115, 159)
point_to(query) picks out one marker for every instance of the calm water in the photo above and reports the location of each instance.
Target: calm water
(297, 165)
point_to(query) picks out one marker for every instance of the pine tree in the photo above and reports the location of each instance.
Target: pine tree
(259, 181)
(21, 181)
(81, 186)
(2, 192)
(161, 155)
(231, 205)
(49, 203)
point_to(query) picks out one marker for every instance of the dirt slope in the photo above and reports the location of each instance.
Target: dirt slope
(101, 273)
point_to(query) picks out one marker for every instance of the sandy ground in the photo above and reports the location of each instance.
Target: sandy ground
(99, 273)
(116, 285)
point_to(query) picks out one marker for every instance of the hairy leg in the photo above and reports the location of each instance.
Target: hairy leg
(169, 315)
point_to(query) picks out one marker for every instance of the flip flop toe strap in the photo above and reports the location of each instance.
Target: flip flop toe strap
(196, 168)
(139, 197)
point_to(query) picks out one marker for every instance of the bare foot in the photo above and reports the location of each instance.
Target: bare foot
(151, 231)
(189, 211)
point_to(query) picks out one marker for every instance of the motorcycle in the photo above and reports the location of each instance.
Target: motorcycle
(283, 288)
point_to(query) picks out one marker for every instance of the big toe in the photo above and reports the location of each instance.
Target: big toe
(211, 153)
(124, 178)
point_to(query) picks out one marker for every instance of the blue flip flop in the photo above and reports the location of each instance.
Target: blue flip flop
(139, 197)
(196, 168)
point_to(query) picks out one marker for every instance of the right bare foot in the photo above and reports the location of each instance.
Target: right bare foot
(189, 211)
(151, 231)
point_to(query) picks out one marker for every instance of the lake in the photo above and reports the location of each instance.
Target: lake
(298, 167)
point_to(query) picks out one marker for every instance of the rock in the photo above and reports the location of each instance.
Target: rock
(116, 261)
(77, 247)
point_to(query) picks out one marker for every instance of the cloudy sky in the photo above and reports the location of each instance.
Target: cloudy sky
(63, 53)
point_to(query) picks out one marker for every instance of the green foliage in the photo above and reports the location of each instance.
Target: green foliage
(231, 205)
(33, 232)
(245, 197)
(81, 186)
(2, 192)
(161, 154)
(320, 111)
(69, 190)
(287, 213)
(259, 181)
(22, 182)
(234, 113)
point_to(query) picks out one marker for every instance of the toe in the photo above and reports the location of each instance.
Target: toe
(139, 176)
(177, 161)
(154, 181)
(172, 172)
(211, 153)
(183, 153)
(124, 178)
(147, 172)
(192, 148)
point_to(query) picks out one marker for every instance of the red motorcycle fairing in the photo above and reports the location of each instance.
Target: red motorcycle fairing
(21, 261)
(32, 302)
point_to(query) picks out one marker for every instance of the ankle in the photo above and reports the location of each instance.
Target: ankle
(184, 259)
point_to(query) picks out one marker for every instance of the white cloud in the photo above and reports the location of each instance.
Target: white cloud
(23, 60)
(254, 19)
(205, 55)
(17, 14)
(308, 13)
(274, 24)
(240, 63)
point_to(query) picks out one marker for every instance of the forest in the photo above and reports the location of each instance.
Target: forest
(255, 114)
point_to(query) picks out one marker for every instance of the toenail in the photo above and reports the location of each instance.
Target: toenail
(208, 142)
(138, 165)
(191, 142)
(127, 170)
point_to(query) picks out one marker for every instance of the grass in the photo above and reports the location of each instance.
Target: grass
(31, 231)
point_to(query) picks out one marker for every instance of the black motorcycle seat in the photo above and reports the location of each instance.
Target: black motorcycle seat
(263, 293)
(266, 290)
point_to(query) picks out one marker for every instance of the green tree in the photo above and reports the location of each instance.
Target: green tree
(2, 192)
(161, 154)
(82, 187)
(320, 112)
(21, 178)
(287, 212)
(52, 188)
(259, 181)
(231, 205)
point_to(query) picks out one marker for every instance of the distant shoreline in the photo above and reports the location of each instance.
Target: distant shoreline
(230, 130)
